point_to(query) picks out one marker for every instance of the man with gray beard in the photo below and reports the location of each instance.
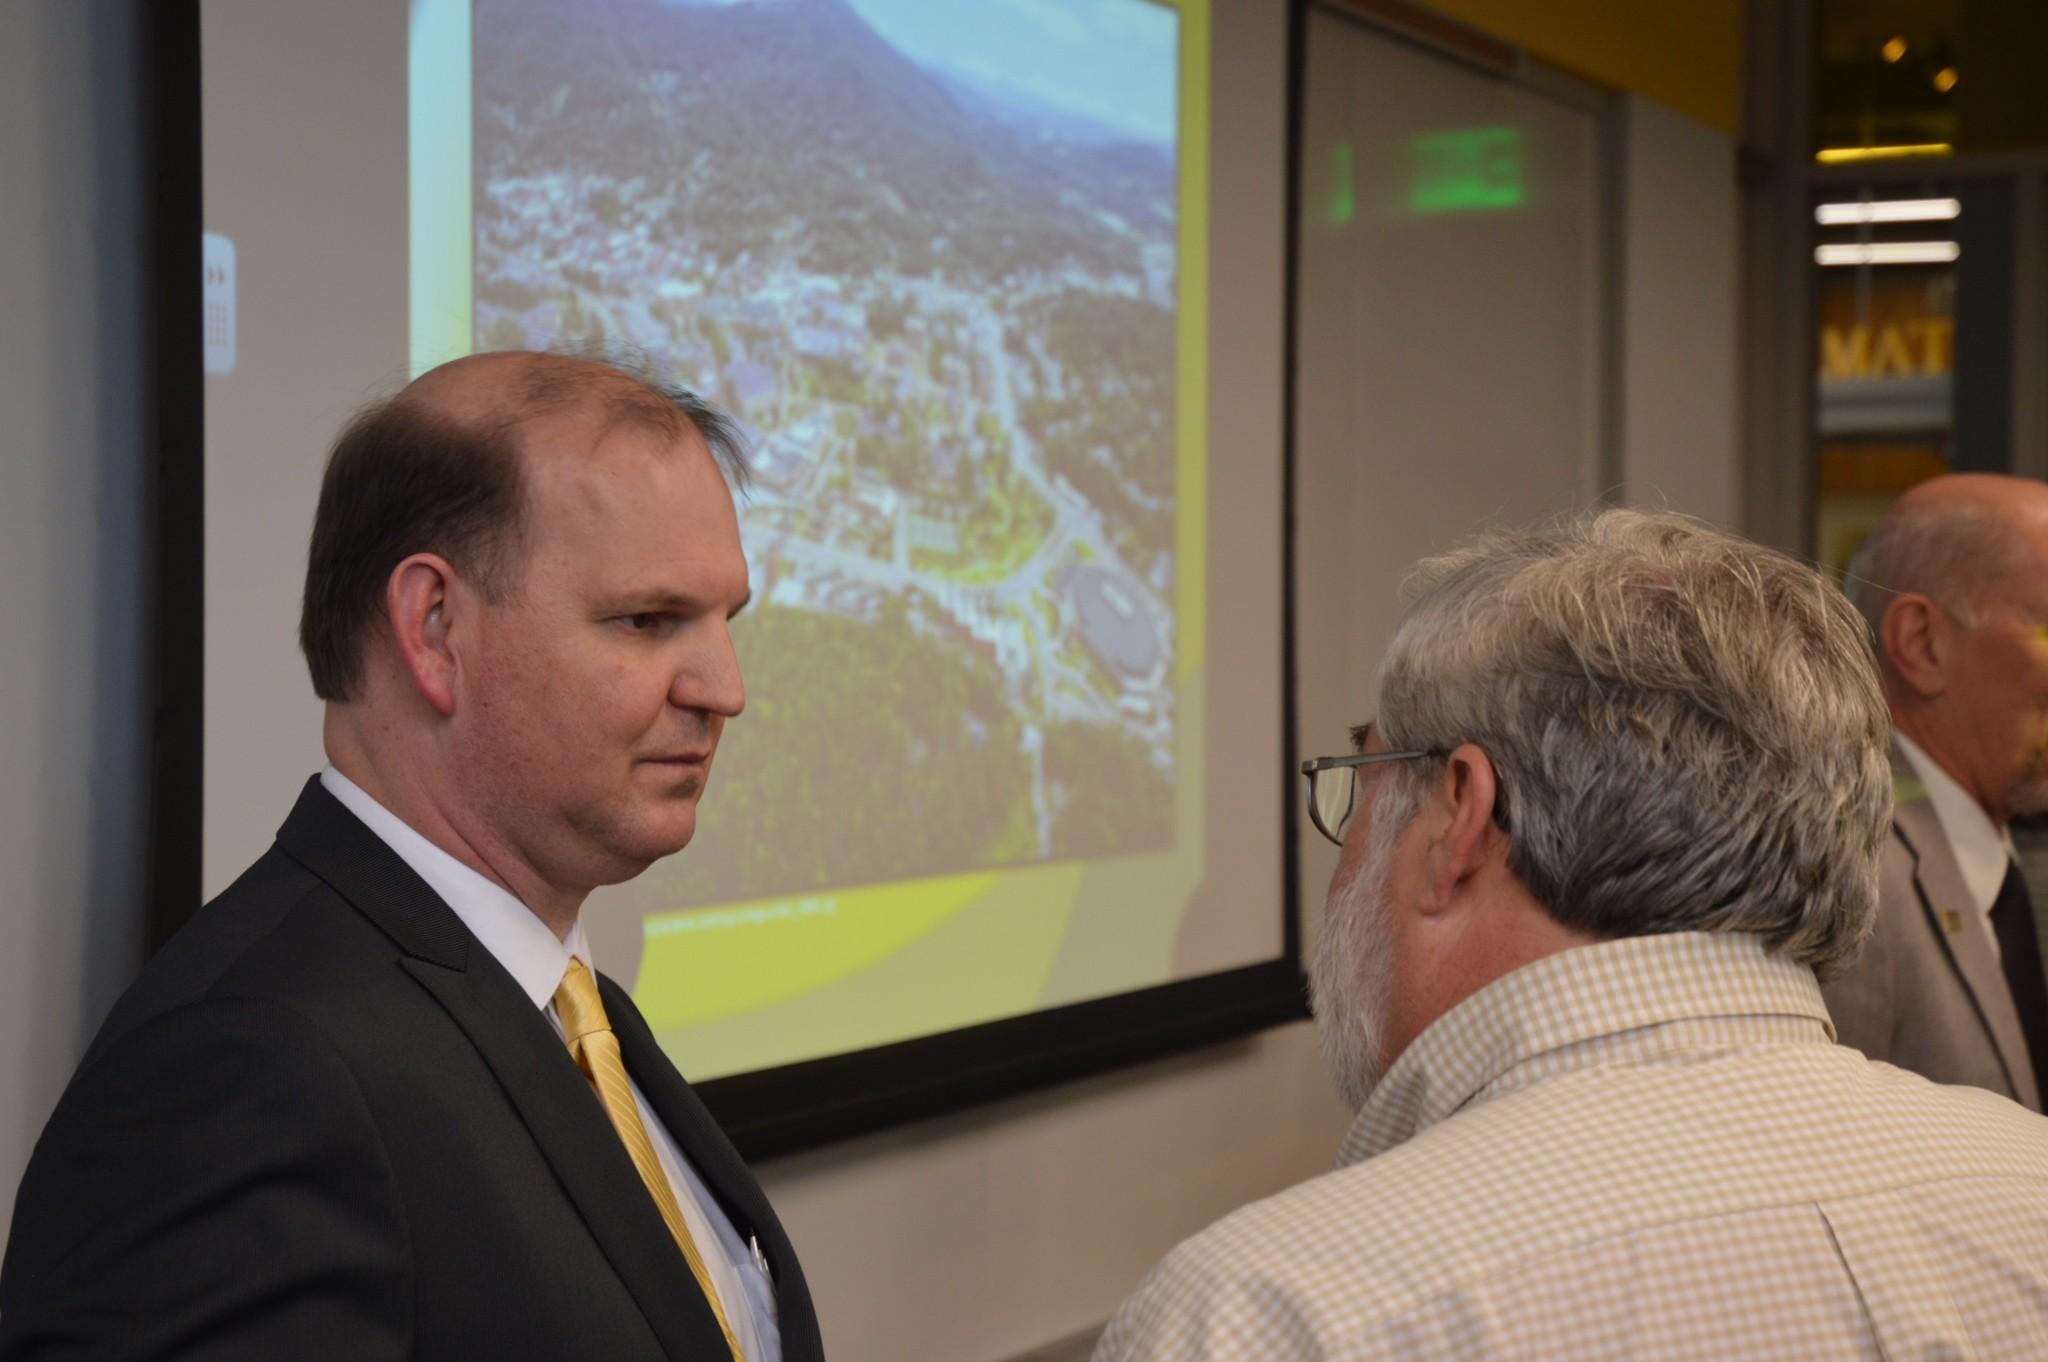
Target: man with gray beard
(1619, 814)
(1954, 585)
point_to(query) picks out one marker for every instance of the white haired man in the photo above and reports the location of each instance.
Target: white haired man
(1622, 805)
(1954, 585)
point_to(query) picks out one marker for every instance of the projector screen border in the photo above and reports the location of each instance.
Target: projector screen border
(174, 407)
(823, 1101)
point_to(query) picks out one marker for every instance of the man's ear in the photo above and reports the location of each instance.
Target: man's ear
(1464, 842)
(418, 602)
(1914, 640)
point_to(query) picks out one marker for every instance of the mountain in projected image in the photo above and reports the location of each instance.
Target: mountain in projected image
(800, 108)
(942, 294)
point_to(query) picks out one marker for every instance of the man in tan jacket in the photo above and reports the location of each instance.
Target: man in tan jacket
(1954, 584)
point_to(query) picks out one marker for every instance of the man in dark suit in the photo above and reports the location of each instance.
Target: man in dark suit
(373, 1102)
(1954, 584)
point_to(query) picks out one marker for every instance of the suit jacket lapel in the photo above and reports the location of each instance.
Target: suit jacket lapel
(1958, 925)
(721, 1167)
(522, 1050)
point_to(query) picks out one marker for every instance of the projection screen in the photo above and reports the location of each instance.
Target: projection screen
(997, 292)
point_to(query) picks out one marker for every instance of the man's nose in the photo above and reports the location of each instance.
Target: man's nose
(710, 680)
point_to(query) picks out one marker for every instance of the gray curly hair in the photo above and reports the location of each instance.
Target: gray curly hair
(1688, 728)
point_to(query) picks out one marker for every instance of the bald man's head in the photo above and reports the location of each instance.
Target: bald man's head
(441, 468)
(1954, 583)
(508, 389)
(1951, 539)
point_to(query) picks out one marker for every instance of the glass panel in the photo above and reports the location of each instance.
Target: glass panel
(1915, 370)
(1887, 264)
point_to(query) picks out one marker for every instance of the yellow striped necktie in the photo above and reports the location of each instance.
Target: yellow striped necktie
(596, 1050)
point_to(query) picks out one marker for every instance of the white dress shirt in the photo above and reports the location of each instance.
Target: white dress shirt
(1983, 850)
(536, 959)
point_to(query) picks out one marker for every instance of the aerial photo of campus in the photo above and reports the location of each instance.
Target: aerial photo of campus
(941, 297)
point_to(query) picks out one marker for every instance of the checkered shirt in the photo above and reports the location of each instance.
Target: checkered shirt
(1647, 1148)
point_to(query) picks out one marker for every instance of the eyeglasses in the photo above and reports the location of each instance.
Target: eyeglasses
(1333, 786)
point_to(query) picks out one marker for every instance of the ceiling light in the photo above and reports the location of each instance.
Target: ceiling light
(1887, 253)
(1829, 156)
(1894, 49)
(1888, 210)
(1945, 79)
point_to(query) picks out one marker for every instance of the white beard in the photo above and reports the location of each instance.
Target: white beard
(1353, 970)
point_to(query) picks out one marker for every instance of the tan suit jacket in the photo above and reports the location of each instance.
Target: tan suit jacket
(1927, 994)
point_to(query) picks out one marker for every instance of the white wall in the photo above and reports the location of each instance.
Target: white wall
(1450, 363)
(984, 1235)
(73, 682)
(1680, 429)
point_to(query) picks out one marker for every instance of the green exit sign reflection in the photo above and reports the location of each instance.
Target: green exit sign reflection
(1467, 170)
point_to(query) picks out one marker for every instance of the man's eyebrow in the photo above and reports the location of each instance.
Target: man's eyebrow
(660, 600)
(1359, 734)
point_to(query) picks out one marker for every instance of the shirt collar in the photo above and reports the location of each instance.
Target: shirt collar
(1982, 850)
(1566, 1011)
(534, 956)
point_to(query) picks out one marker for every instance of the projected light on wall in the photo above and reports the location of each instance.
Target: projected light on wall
(1343, 184)
(1467, 170)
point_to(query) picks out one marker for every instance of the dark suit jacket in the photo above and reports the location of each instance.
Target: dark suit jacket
(1927, 993)
(325, 1123)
